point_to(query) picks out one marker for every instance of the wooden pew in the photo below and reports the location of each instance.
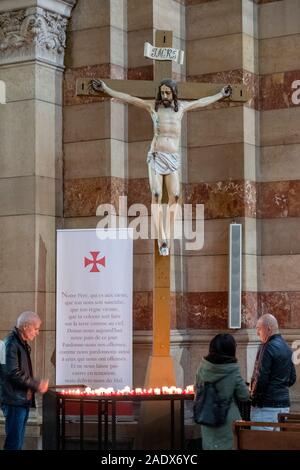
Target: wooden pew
(252, 439)
(289, 417)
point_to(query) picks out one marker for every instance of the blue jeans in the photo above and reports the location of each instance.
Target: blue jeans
(267, 414)
(15, 422)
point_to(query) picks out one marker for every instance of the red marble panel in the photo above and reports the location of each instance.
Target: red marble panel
(141, 73)
(279, 199)
(295, 309)
(82, 196)
(277, 303)
(139, 192)
(234, 77)
(276, 90)
(249, 309)
(178, 318)
(294, 198)
(142, 310)
(204, 310)
(223, 198)
(91, 71)
(119, 187)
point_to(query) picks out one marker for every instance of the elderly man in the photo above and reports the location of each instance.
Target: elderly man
(163, 157)
(18, 386)
(274, 372)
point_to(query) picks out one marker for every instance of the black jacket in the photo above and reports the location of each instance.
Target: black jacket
(17, 382)
(275, 374)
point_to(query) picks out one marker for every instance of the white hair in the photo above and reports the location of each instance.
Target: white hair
(269, 320)
(27, 317)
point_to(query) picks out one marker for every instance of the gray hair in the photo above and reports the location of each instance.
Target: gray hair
(269, 320)
(27, 317)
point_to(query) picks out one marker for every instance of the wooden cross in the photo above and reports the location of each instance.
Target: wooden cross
(160, 367)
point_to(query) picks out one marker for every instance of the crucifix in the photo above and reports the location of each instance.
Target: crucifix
(154, 417)
(163, 163)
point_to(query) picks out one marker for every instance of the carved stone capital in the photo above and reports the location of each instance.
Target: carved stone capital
(32, 33)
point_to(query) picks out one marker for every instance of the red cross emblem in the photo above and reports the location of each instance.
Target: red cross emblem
(94, 261)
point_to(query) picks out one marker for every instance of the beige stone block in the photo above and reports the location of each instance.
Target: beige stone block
(280, 126)
(87, 122)
(280, 273)
(179, 43)
(140, 127)
(80, 222)
(141, 352)
(48, 140)
(17, 154)
(48, 196)
(17, 195)
(17, 245)
(142, 273)
(19, 81)
(48, 86)
(12, 304)
(45, 242)
(215, 163)
(136, 40)
(251, 126)
(169, 16)
(280, 163)
(212, 19)
(118, 47)
(278, 54)
(137, 159)
(46, 307)
(141, 246)
(49, 343)
(215, 238)
(250, 18)
(137, 17)
(207, 273)
(250, 266)
(251, 236)
(279, 19)
(118, 14)
(280, 236)
(218, 126)
(32, 81)
(87, 159)
(118, 118)
(211, 55)
(118, 158)
(88, 47)
(250, 53)
(90, 14)
(251, 161)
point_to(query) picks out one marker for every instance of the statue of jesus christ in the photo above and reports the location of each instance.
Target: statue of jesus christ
(163, 156)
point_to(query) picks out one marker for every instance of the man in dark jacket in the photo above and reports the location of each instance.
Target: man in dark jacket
(274, 372)
(18, 386)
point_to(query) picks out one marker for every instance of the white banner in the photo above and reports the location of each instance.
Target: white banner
(94, 309)
(163, 53)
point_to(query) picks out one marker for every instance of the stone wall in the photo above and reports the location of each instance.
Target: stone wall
(239, 160)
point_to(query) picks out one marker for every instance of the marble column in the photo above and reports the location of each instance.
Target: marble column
(32, 46)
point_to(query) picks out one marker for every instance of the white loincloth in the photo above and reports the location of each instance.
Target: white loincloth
(164, 163)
